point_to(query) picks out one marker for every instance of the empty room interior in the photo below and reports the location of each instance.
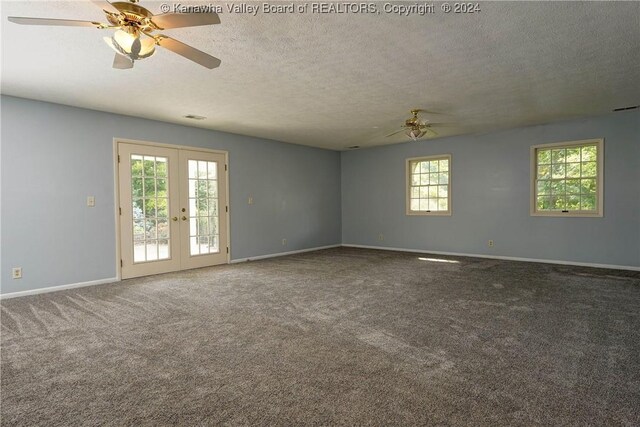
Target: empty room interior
(319, 213)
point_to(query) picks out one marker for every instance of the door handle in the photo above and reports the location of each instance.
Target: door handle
(175, 218)
(184, 218)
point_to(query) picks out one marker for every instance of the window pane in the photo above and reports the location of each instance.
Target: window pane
(557, 187)
(212, 170)
(589, 153)
(149, 166)
(573, 170)
(136, 165)
(588, 203)
(573, 154)
(415, 204)
(424, 179)
(415, 192)
(149, 187)
(558, 155)
(589, 169)
(136, 187)
(543, 203)
(558, 202)
(442, 204)
(433, 178)
(202, 170)
(558, 171)
(424, 167)
(433, 204)
(544, 187)
(573, 186)
(544, 157)
(573, 202)
(443, 178)
(424, 193)
(415, 179)
(193, 169)
(442, 190)
(544, 172)
(433, 191)
(443, 165)
(152, 250)
(161, 167)
(588, 186)
(433, 166)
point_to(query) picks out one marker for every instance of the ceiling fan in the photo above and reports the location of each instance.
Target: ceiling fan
(415, 128)
(135, 25)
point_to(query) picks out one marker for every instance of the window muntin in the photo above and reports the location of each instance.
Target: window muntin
(429, 185)
(567, 179)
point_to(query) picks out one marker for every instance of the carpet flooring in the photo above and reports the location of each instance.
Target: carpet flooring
(341, 336)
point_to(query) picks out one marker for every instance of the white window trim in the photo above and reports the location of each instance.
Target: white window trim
(600, 171)
(408, 186)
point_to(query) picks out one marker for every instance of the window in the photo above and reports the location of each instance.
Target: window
(429, 185)
(567, 178)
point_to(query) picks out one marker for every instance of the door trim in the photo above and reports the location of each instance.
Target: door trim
(116, 186)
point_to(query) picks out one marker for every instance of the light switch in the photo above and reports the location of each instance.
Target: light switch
(91, 201)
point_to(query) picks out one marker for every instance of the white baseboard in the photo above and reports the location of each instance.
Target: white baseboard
(508, 258)
(58, 288)
(255, 258)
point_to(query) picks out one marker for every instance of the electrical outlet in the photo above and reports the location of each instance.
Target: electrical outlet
(16, 272)
(490, 243)
(91, 201)
(381, 237)
(284, 242)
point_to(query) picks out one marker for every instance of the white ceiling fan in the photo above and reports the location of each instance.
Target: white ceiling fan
(134, 38)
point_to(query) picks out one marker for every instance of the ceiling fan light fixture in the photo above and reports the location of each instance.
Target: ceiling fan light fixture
(415, 133)
(131, 45)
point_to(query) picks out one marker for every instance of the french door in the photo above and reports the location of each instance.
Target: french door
(173, 209)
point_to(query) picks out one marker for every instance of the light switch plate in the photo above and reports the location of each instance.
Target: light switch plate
(91, 201)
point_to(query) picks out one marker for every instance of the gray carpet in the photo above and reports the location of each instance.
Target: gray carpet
(335, 337)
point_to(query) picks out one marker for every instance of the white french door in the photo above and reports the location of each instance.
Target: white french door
(173, 209)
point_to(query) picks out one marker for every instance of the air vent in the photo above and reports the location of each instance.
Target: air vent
(194, 117)
(627, 108)
(353, 147)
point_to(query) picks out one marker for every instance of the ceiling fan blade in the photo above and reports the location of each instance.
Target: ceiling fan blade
(122, 62)
(60, 22)
(442, 125)
(432, 112)
(393, 133)
(433, 132)
(106, 6)
(188, 52)
(180, 20)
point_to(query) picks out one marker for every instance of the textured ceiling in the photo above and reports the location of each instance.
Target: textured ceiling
(336, 80)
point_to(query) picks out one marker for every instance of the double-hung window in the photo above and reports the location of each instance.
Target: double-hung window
(567, 178)
(429, 185)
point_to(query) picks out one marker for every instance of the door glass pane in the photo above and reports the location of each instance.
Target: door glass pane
(150, 208)
(203, 207)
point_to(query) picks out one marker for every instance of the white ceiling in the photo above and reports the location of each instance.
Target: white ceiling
(336, 80)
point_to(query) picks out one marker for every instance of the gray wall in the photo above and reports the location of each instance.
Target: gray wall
(53, 157)
(490, 191)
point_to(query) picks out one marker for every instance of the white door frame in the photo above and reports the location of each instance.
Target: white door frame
(116, 183)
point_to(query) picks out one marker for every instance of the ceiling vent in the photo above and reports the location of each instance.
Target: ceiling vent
(194, 117)
(627, 108)
(353, 147)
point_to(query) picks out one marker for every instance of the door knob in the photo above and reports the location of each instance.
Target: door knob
(175, 218)
(184, 218)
